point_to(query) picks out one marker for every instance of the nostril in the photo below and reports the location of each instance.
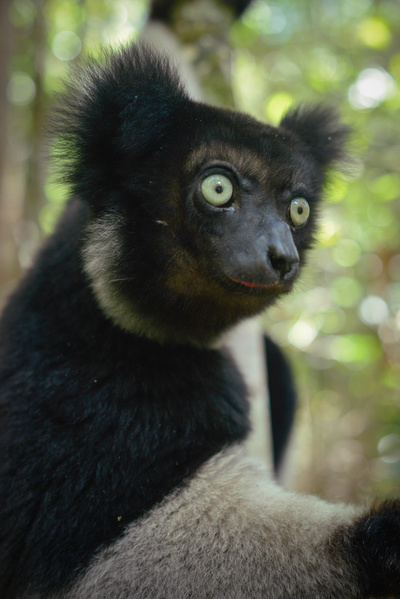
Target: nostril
(280, 265)
(283, 265)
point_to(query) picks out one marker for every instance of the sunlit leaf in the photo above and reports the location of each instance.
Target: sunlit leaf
(386, 187)
(356, 348)
(374, 32)
(278, 105)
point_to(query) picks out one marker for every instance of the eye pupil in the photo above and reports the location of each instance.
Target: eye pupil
(299, 211)
(217, 189)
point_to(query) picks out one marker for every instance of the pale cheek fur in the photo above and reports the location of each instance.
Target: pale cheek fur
(101, 254)
(229, 532)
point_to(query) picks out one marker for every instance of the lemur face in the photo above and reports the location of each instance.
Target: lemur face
(223, 225)
(251, 209)
(200, 216)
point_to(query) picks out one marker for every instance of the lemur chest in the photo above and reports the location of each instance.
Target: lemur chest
(118, 447)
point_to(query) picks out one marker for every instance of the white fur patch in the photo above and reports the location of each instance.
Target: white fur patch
(228, 533)
(101, 255)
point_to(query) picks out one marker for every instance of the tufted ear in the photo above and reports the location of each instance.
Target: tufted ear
(320, 129)
(116, 107)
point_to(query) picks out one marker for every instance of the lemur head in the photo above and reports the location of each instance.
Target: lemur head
(200, 216)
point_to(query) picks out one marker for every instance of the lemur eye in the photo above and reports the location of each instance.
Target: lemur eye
(217, 189)
(299, 211)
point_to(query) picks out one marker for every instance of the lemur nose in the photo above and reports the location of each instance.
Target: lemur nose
(283, 260)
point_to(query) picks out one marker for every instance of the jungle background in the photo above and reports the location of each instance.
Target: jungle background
(341, 327)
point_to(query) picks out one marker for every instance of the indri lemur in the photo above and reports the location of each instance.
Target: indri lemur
(122, 471)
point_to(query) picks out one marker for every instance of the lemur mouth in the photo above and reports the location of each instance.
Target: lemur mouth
(258, 286)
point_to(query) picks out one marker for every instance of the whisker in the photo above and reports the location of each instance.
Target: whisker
(121, 280)
(164, 223)
(173, 256)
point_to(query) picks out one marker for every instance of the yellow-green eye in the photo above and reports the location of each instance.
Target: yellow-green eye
(299, 211)
(217, 189)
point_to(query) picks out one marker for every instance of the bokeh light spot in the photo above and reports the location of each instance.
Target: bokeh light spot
(374, 32)
(66, 45)
(373, 310)
(373, 86)
(21, 89)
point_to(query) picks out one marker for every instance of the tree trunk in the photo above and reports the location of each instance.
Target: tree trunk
(8, 262)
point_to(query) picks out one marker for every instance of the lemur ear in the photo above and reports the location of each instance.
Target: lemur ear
(320, 129)
(118, 106)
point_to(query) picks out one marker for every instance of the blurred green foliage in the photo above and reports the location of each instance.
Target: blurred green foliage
(342, 326)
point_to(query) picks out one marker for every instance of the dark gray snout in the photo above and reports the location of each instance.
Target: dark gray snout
(263, 256)
(282, 254)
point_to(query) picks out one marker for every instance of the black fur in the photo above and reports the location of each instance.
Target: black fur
(116, 109)
(283, 400)
(320, 131)
(101, 425)
(98, 423)
(374, 541)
